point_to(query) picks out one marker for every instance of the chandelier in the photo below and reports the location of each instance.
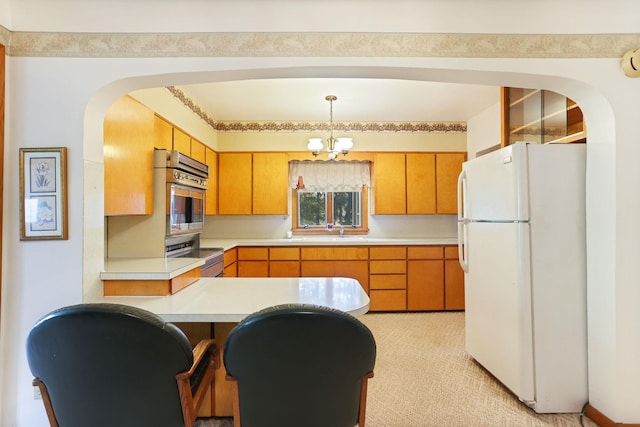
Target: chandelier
(335, 146)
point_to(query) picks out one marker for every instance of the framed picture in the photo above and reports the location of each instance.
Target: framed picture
(43, 193)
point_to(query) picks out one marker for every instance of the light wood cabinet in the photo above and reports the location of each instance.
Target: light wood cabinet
(421, 183)
(540, 116)
(253, 183)
(129, 137)
(425, 271)
(388, 278)
(211, 195)
(231, 263)
(163, 133)
(389, 184)
(270, 183)
(253, 262)
(396, 278)
(416, 183)
(453, 280)
(234, 183)
(435, 278)
(336, 261)
(448, 168)
(181, 141)
(198, 150)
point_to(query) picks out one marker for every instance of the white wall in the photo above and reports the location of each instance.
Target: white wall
(483, 130)
(40, 276)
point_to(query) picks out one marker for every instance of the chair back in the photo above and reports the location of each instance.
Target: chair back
(300, 365)
(107, 365)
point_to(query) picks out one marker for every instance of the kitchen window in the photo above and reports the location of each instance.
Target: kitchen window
(329, 195)
(329, 209)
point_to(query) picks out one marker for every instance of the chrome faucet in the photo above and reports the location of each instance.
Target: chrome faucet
(342, 231)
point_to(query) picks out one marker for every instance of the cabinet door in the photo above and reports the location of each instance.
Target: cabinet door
(198, 150)
(270, 183)
(389, 184)
(211, 195)
(358, 270)
(253, 269)
(181, 141)
(234, 183)
(453, 280)
(284, 269)
(421, 183)
(448, 167)
(128, 158)
(426, 285)
(163, 133)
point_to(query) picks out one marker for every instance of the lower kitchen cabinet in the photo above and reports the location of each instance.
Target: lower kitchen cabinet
(353, 269)
(253, 262)
(396, 278)
(231, 263)
(453, 280)
(388, 278)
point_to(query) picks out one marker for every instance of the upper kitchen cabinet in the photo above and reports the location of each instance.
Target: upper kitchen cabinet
(211, 196)
(252, 183)
(163, 132)
(448, 167)
(416, 183)
(270, 183)
(234, 183)
(129, 135)
(181, 141)
(389, 184)
(540, 116)
(198, 150)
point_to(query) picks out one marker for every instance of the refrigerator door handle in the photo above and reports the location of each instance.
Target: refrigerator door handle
(462, 223)
(462, 185)
(463, 247)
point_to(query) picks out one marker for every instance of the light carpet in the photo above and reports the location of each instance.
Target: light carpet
(423, 377)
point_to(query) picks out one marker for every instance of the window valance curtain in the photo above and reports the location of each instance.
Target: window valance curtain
(329, 175)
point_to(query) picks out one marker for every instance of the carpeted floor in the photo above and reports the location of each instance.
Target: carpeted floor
(423, 377)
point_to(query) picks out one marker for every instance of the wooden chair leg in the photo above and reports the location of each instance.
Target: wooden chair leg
(46, 399)
(363, 399)
(236, 401)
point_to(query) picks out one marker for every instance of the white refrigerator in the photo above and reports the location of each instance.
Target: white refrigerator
(521, 232)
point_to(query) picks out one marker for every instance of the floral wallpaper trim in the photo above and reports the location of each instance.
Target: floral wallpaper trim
(426, 127)
(107, 45)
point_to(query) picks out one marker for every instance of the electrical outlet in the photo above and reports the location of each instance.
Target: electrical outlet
(36, 393)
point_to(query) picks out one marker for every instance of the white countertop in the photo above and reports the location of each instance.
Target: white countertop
(324, 241)
(232, 299)
(168, 268)
(147, 268)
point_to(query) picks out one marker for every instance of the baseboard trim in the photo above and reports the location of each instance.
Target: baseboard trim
(602, 420)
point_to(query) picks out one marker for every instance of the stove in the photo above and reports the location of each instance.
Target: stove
(189, 247)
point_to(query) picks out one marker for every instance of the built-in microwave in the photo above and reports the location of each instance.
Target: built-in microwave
(185, 209)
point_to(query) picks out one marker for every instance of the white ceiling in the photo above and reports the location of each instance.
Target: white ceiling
(359, 100)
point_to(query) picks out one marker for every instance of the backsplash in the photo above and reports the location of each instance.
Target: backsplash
(276, 226)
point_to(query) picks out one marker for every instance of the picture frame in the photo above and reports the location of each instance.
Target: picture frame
(43, 193)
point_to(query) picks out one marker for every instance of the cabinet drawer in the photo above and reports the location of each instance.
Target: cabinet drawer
(334, 253)
(284, 254)
(388, 281)
(257, 253)
(387, 267)
(388, 300)
(284, 269)
(424, 252)
(387, 252)
(253, 269)
(451, 252)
